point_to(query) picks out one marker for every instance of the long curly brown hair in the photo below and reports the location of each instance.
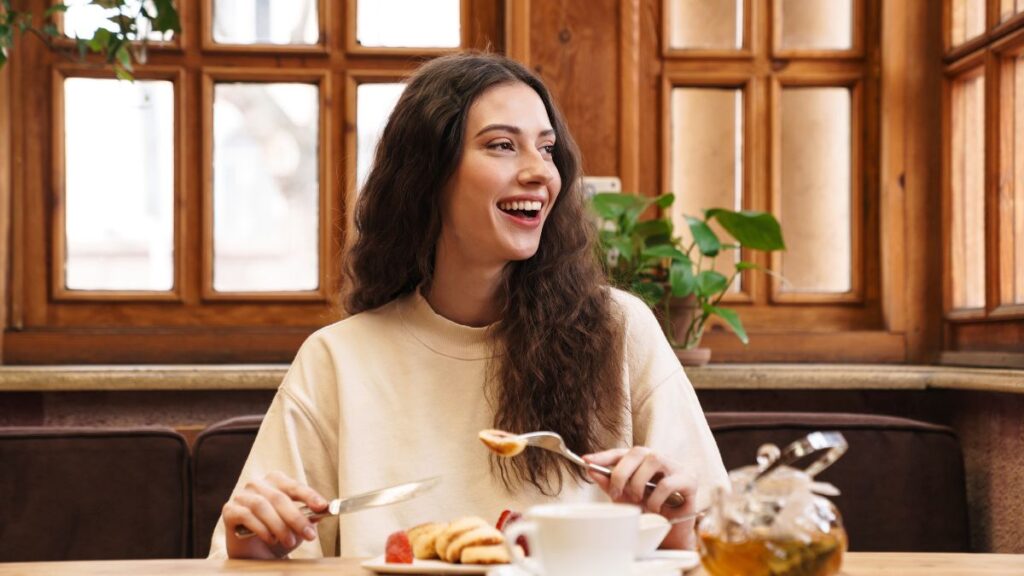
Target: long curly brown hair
(556, 308)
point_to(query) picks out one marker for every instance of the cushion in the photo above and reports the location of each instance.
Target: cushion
(902, 481)
(93, 494)
(219, 453)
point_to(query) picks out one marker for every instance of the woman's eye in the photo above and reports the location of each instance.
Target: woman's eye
(549, 149)
(504, 145)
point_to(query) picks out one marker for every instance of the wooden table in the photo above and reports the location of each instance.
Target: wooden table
(855, 564)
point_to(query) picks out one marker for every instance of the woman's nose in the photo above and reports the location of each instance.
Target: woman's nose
(535, 170)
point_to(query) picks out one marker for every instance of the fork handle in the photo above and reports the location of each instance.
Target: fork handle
(674, 500)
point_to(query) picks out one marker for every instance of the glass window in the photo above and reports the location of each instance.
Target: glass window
(967, 186)
(816, 189)
(423, 23)
(816, 25)
(707, 160)
(119, 215)
(82, 19)
(374, 103)
(266, 188)
(265, 22)
(706, 24)
(1011, 169)
(967, 20)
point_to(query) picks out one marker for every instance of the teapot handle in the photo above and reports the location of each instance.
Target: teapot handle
(832, 445)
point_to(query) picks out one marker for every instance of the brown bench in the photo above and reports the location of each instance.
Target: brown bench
(902, 481)
(217, 459)
(93, 494)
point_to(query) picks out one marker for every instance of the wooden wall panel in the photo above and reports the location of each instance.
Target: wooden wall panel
(574, 46)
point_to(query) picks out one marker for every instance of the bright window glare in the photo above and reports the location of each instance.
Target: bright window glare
(83, 19)
(408, 23)
(374, 103)
(266, 22)
(119, 206)
(266, 188)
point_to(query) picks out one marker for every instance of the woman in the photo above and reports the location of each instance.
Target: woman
(476, 303)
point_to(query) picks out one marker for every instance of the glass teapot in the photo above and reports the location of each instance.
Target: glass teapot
(776, 520)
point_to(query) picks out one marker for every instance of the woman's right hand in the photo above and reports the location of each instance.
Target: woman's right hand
(270, 507)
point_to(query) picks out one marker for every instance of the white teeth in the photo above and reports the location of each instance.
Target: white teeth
(520, 205)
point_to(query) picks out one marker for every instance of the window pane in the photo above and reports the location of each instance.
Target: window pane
(1011, 209)
(715, 24)
(266, 189)
(83, 19)
(423, 23)
(1007, 9)
(265, 22)
(707, 160)
(119, 223)
(817, 25)
(374, 103)
(967, 186)
(816, 190)
(967, 20)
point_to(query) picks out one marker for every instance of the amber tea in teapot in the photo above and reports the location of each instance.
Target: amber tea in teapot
(776, 521)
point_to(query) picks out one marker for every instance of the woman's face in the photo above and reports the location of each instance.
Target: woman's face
(505, 184)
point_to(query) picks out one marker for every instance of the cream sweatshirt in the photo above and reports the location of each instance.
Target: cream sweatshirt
(397, 394)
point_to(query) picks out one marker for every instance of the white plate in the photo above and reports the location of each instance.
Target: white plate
(380, 566)
(680, 559)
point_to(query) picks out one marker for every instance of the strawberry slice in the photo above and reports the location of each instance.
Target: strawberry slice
(399, 550)
(508, 517)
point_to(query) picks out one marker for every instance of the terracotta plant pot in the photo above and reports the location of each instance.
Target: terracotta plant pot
(693, 356)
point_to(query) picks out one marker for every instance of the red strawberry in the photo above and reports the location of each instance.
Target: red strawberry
(399, 551)
(508, 517)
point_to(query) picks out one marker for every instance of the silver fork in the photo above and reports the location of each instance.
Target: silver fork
(553, 442)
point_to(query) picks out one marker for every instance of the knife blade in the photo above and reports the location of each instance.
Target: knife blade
(381, 497)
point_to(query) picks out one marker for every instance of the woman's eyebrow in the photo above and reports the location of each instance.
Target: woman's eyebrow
(509, 128)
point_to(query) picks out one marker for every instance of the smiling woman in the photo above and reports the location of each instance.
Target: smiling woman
(476, 303)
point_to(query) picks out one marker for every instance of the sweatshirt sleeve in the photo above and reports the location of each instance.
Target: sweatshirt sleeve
(298, 439)
(667, 415)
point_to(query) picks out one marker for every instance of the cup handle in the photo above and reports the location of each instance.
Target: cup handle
(512, 533)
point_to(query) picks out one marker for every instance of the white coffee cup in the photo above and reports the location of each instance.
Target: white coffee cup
(587, 538)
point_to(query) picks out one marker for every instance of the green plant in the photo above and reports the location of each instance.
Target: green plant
(121, 44)
(648, 259)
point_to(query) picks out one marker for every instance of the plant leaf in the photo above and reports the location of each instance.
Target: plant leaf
(59, 7)
(681, 279)
(653, 228)
(757, 230)
(733, 320)
(742, 265)
(665, 200)
(711, 282)
(649, 292)
(707, 242)
(611, 205)
(666, 251)
(166, 19)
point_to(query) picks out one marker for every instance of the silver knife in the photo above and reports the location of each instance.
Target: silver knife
(382, 497)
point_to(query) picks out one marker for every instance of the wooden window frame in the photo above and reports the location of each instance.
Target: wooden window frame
(830, 329)
(325, 14)
(727, 81)
(60, 293)
(856, 51)
(744, 52)
(854, 82)
(1003, 54)
(326, 265)
(990, 335)
(191, 323)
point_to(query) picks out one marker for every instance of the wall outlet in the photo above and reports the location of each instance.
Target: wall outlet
(594, 184)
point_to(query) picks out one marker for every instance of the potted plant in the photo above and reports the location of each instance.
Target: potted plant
(648, 259)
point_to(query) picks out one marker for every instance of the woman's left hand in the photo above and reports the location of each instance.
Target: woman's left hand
(632, 469)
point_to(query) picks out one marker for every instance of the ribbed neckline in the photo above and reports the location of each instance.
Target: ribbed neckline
(441, 334)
